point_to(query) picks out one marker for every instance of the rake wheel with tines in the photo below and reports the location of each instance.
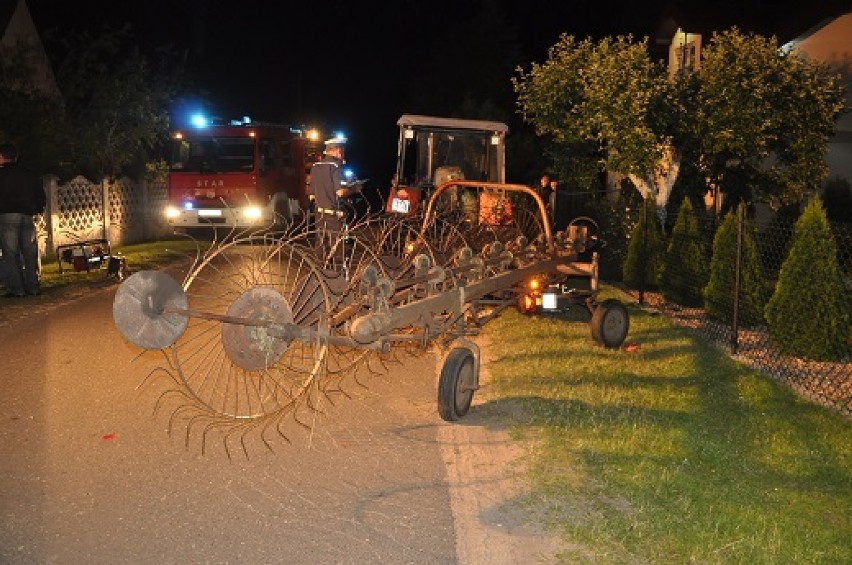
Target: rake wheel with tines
(247, 337)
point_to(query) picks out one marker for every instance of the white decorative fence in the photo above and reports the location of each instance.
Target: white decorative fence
(122, 211)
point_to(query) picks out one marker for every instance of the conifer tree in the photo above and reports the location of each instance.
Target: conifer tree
(808, 314)
(719, 292)
(684, 268)
(642, 264)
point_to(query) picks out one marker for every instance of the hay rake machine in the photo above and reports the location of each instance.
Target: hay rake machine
(267, 331)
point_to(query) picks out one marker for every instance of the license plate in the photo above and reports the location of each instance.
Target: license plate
(400, 205)
(210, 213)
(548, 301)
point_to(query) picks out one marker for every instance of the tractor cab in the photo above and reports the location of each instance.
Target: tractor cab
(433, 151)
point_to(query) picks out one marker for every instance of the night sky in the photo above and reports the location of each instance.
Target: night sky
(357, 66)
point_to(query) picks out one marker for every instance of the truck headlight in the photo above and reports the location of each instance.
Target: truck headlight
(252, 212)
(172, 212)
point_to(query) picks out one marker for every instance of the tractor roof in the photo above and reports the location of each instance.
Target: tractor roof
(451, 123)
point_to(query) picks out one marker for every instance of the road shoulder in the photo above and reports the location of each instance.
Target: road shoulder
(486, 474)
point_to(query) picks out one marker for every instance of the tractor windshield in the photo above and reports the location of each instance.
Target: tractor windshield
(430, 157)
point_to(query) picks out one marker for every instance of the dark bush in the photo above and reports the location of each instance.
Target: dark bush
(774, 239)
(837, 199)
(808, 314)
(617, 218)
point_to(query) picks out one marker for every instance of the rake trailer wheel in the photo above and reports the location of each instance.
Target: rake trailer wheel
(610, 323)
(240, 373)
(456, 384)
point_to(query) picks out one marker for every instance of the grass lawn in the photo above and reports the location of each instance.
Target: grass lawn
(673, 453)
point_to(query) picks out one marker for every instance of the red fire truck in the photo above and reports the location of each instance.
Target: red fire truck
(239, 174)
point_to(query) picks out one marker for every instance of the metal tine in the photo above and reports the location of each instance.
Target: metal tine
(217, 360)
(152, 373)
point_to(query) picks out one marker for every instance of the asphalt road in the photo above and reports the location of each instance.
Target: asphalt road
(90, 475)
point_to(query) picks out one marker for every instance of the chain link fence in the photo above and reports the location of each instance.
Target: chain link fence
(728, 305)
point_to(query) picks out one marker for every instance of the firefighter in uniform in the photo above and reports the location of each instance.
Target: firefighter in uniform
(332, 197)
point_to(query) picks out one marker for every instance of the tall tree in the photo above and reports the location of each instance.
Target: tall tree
(610, 95)
(642, 264)
(117, 99)
(754, 101)
(748, 101)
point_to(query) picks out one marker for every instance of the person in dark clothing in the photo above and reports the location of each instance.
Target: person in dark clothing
(333, 197)
(331, 193)
(547, 190)
(21, 196)
(543, 189)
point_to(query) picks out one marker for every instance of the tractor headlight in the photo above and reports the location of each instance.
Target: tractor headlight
(534, 285)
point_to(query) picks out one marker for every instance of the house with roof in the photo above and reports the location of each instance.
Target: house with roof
(19, 38)
(830, 41)
(821, 31)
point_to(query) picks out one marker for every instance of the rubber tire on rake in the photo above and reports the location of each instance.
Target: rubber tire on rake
(610, 323)
(456, 384)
